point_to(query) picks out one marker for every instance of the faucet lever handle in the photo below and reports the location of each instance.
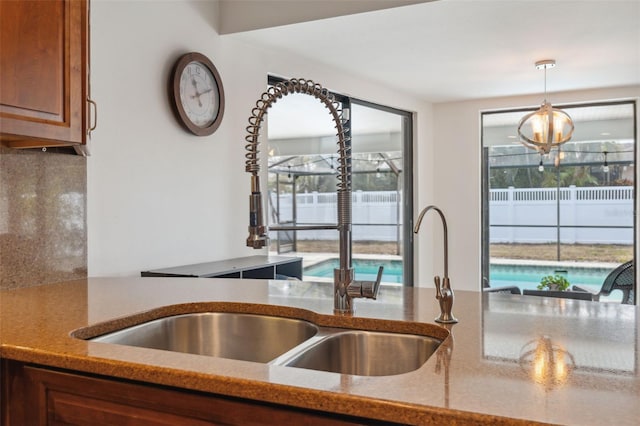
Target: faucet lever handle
(368, 289)
(376, 284)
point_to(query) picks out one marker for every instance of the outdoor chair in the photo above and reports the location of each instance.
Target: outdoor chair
(512, 289)
(622, 278)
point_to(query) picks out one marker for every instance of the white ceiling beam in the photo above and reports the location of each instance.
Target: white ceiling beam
(246, 15)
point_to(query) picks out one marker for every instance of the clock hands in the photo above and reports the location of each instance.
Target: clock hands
(198, 94)
(206, 91)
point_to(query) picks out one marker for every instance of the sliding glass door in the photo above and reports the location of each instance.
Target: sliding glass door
(567, 213)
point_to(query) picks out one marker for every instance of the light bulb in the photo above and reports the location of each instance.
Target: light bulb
(605, 168)
(538, 124)
(541, 167)
(559, 122)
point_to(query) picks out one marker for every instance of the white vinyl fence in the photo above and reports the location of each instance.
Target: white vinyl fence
(596, 215)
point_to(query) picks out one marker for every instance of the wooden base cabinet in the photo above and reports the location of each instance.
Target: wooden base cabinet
(44, 73)
(34, 395)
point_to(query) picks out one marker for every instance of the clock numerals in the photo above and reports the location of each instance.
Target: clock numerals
(194, 70)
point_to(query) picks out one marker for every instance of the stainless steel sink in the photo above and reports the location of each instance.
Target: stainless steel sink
(367, 353)
(281, 341)
(248, 337)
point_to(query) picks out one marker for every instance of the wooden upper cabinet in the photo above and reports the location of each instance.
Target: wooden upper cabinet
(44, 73)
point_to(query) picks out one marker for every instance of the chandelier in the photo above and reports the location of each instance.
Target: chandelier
(548, 127)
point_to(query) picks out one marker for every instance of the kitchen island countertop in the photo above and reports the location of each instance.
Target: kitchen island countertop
(486, 371)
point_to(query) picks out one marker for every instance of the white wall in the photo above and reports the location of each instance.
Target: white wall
(456, 173)
(158, 196)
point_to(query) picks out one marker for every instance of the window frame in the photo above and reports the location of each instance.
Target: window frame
(407, 171)
(485, 169)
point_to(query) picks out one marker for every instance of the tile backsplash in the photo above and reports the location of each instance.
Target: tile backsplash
(43, 217)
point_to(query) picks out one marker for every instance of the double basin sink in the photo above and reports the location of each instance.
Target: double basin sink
(281, 341)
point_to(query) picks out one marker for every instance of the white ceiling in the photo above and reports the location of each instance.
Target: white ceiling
(451, 50)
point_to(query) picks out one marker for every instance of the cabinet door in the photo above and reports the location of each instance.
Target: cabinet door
(43, 72)
(38, 396)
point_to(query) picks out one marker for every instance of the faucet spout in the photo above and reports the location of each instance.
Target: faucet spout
(344, 287)
(444, 292)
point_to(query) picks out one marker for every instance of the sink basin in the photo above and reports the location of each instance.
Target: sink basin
(281, 341)
(367, 353)
(248, 337)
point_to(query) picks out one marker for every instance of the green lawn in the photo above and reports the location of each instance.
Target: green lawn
(609, 253)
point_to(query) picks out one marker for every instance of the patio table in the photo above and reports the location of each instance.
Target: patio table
(580, 295)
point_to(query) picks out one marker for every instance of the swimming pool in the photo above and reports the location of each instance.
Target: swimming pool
(529, 276)
(524, 276)
(364, 269)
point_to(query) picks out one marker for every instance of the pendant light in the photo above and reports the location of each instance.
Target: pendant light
(548, 127)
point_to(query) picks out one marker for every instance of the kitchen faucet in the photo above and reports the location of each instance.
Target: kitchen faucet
(444, 292)
(345, 288)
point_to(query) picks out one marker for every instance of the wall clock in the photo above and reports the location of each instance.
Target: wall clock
(197, 94)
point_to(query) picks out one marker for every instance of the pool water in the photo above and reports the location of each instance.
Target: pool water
(364, 269)
(524, 276)
(529, 276)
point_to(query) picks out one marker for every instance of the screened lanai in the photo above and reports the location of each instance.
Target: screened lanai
(302, 192)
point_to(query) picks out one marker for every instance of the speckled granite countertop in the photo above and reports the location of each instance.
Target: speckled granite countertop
(483, 373)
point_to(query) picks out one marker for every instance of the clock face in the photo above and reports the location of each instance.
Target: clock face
(197, 94)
